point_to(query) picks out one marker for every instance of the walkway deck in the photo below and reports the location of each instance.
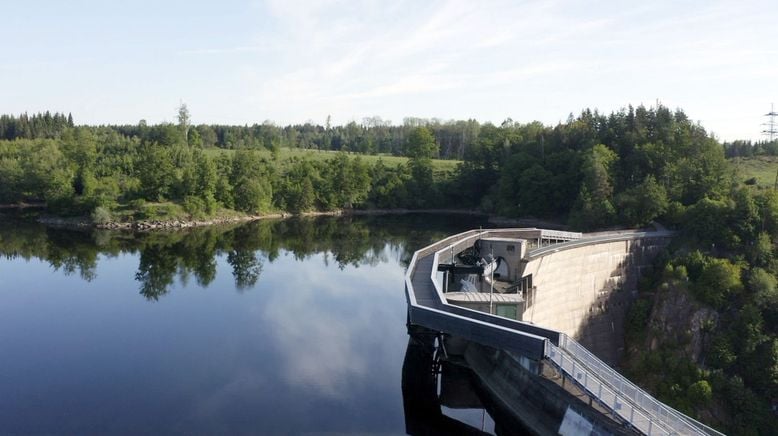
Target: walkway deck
(427, 307)
(483, 297)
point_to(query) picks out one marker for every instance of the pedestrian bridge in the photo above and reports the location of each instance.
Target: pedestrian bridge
(569, 273)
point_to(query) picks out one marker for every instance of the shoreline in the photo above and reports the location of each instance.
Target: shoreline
(84, 222)
(177, 224)
(174, 224)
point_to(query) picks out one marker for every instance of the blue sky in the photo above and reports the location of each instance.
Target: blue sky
(291, 61)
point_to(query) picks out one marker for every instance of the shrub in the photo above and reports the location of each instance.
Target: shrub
(138, 203)
(699, 393)
(719, 281)
(101, 215)
(637, 317)
(194, 206)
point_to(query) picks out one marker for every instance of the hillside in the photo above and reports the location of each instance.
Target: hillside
(762, 168)
(441, 167)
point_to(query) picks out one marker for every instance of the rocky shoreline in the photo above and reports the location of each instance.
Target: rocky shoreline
(145, 225)
(84, 223)
(148, 225)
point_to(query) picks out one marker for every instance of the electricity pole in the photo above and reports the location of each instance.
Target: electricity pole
(771, 128)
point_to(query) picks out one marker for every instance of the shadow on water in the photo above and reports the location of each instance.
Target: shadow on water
(167, 256)
(434, 388)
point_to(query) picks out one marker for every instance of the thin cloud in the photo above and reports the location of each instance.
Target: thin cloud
(228, 50)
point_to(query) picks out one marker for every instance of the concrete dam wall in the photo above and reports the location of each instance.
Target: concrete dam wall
(584, 289)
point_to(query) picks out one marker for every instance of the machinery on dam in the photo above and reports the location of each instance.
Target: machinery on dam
(536, 315)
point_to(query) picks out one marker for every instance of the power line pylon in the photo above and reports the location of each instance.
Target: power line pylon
(771, 127)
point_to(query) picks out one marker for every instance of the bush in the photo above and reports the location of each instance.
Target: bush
(101, 215)
(762, 286)
(194, 206)
(637, 317)
(721, 354)
(719, 281)
(167, 210)
(137, 204)
(253, 195)
(699, 393)
(164, 211)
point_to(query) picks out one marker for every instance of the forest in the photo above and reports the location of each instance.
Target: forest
(592, 171)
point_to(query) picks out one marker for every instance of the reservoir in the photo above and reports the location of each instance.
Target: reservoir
(270, 327)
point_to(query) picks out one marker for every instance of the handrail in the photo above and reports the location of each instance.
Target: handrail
(561, 234)
(606, 396)
(542, 251)
(611, 389)
(636, 394)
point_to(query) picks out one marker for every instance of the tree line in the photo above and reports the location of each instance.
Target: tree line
(747, 148)
(43, 125)
(99, 171)
(372, 135)
(628, 167)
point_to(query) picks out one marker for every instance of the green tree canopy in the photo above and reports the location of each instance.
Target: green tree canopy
(421, 144)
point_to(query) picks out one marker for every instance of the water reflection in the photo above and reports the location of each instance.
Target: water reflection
(273, 327)
(165, 257)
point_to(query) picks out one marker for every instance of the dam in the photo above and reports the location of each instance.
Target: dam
(537, 316)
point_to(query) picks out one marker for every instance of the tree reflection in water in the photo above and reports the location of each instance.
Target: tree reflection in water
(167, 256)
(246, 268)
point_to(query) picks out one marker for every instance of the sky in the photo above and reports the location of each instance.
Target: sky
(293, 61)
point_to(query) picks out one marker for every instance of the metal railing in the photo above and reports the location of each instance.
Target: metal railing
(560, 234)
(605, 395)
(630, 391)
(599, 239)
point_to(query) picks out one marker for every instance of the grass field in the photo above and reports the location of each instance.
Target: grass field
(763, 168)
(440, 167)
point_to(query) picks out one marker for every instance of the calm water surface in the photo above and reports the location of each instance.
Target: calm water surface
(270, 327)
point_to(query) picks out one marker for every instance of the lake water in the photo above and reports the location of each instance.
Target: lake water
(271, 327)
